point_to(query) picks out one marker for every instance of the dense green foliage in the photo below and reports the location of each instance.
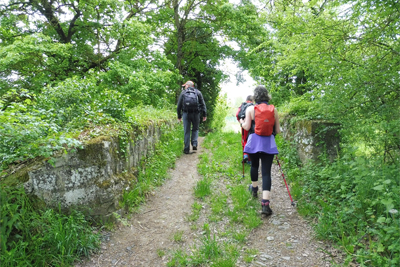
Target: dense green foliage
(63, 117)
(43, 43)
(68, 66)
(354, 202)
(339, 61)
(220, 113)
(73, 70)
(33, 237)
(27, 231)
(336, 60)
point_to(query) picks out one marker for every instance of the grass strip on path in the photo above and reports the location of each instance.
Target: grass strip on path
(224, 212)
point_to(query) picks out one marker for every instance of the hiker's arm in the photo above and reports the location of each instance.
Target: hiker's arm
(179, 107)
(246, 123)
(277, 126)
(202, 104)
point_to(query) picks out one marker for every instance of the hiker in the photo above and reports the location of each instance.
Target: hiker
(261, 144)
(190, 106)
(240, 114)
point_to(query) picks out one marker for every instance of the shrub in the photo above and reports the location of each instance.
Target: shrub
(25, 233)
(353, 200)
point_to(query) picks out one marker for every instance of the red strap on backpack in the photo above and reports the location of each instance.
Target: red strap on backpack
(264, 118)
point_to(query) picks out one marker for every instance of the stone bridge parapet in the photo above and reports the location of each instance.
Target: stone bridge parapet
(92, 179)
(312, 137)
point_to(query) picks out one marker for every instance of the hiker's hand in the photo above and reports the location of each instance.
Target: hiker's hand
(180, 120)
(204, 118)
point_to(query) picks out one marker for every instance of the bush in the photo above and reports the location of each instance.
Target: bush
(220, 112)
(354, 202)
(25, 135)
(26, 233)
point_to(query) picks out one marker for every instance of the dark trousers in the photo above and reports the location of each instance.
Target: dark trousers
(266, 164)
(191, 122)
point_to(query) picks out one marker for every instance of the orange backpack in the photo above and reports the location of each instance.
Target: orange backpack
(264, 119)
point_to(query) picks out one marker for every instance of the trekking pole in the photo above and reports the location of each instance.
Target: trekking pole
(283, 176)
(243, 168)
(242, 151)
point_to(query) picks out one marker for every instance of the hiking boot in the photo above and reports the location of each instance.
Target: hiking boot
(194, 147)
(266, 209)
(186, 151)
(253, 191)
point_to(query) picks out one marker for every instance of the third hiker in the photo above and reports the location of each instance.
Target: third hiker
(240, 114)
(190, 105)
(261, 144)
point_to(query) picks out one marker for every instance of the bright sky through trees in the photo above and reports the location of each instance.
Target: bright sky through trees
(232, 88)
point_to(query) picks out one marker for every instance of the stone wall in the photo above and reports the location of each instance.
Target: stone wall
(94, 178)
(312, 137)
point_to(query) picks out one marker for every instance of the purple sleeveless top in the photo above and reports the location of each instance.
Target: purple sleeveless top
(264, 144)
(260, 144)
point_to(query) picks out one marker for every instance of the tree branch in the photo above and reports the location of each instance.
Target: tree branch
(47, 11)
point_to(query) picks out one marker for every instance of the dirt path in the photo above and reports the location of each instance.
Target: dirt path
(284, 239)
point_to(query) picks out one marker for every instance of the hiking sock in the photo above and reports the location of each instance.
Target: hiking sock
(266, 209)
(265, 202)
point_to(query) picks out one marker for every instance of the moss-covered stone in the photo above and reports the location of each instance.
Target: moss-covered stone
(92, 179)
(21, 174)
(105, 184)
(93, 149)
(312, 137)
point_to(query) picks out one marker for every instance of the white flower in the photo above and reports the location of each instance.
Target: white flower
(393, 211)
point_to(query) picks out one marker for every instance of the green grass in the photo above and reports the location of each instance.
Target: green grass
(156, 167)
(202, 188)
(223, 192)
(160, 253)
(353, 201)
(179, 258)
(27, 232)
(178, 236)
(218, 203)
(250, 254)
(196, 209)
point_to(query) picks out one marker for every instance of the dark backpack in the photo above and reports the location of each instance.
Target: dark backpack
(190, 100)
(242, 110)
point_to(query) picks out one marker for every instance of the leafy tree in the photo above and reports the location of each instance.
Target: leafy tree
(45, 42)
(190, 30)
(324, 53)
(339, 60)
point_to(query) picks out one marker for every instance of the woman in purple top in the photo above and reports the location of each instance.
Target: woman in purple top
(261, 147)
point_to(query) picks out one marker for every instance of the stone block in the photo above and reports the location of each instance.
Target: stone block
(312, 138)
(91, 179)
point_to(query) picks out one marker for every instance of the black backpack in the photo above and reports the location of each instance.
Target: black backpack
(243, 107)
(190, 100)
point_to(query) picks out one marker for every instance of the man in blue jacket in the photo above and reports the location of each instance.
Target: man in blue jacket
(190, 105)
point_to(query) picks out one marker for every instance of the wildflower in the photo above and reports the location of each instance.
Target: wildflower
(393, 211)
